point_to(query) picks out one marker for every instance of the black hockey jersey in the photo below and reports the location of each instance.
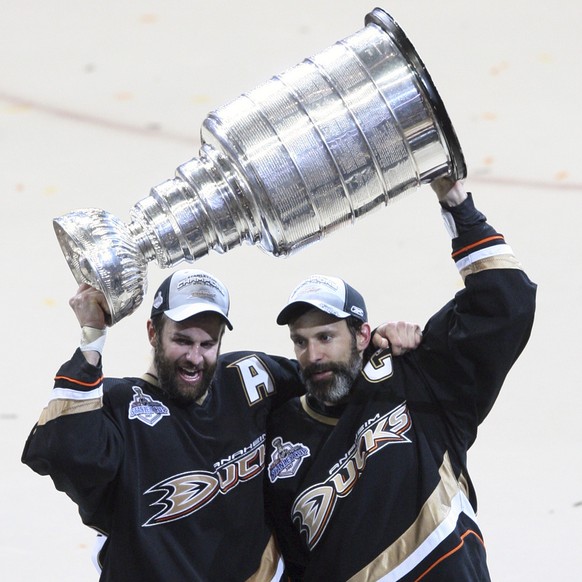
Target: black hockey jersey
(178, 490)
(378, 489)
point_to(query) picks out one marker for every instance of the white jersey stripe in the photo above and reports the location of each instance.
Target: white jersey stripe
(279, 572)
(68, 394)
(485, 253)
(459, 504)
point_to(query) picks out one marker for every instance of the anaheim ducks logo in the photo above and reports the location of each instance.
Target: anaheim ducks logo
(313, 509)
(184, 494)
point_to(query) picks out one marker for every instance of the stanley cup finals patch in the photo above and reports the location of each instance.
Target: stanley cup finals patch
(145, 408)
(286, 459)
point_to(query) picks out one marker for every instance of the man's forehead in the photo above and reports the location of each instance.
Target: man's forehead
(315, 318)
(207, 321)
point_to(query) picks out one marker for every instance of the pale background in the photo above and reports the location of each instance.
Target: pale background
(100, 101)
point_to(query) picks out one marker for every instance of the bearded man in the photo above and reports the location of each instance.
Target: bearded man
(367, 472)
(168, 467)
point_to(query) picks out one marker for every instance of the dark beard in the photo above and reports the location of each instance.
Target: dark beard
(170, 382)
(339, 387)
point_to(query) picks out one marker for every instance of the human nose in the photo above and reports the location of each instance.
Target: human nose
(313, 353)
(194, 355)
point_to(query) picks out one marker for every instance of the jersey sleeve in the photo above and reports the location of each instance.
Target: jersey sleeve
(264, 377)
(289, 382)
(470, 345)
(75, 441)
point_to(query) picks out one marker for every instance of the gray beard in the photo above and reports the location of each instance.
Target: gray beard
(338, 389)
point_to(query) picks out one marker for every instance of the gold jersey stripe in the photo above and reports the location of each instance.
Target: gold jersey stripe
(270, 563)
(494, 262)
(316, 415)
(62, 407)
(434, 512)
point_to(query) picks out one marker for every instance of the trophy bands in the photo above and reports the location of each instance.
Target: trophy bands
(309, 151)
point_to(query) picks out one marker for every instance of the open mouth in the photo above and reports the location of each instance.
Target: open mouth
(190, 376)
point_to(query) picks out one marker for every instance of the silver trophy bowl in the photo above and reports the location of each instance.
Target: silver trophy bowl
(309, 151)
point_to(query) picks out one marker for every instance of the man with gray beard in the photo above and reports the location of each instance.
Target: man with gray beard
(367, 472)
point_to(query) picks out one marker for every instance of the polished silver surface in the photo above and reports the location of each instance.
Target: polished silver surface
(311, 150)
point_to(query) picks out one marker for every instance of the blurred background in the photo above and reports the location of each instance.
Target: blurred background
(100, 101)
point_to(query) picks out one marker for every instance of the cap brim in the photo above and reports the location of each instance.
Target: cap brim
(297, 308)
(185, 311)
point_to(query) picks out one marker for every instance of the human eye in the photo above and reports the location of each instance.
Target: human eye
(298, 341)
(181, 340)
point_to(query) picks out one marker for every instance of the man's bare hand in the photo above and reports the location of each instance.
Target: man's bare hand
(449, 192)
(90, 307)
(400, 336)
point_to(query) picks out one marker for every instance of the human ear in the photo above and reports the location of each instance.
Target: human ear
(363, 337)
(151, 333)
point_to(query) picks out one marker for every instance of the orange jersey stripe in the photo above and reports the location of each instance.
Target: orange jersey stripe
(74, 381)
(455, 549)
(480, 242)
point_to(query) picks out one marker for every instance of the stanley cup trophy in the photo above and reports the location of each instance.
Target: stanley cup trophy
(309, 151)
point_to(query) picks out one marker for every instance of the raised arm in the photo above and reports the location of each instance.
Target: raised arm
(472, 342)
(75, 441)
(90, 307)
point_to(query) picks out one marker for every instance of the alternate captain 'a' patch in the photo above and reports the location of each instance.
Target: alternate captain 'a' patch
(145, 408)
(286, 459)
